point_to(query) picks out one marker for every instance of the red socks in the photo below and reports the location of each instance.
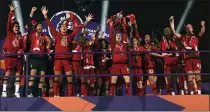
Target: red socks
(56, 88)
(140, 91)
(69, 89)
(181, 83)
(112, 89)
(74, 88)
(50, 94)
(83, 89)
(199, 85)
(154, 89)
(90, 91)
(169, 86)
(128, 90)
(43, 94)
(190, 86)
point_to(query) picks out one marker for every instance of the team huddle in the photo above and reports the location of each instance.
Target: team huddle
(82, 67)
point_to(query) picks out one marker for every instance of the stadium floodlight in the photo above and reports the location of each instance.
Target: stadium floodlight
(19, 17)
(184, 15)
(105, 8)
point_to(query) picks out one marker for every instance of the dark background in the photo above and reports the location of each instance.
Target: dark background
(150, 14)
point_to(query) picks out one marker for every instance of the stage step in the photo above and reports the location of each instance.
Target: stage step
(103, 103)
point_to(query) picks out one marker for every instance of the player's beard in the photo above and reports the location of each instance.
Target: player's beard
(190, 32)
(135, 45)
(147, 41)
(39, 31)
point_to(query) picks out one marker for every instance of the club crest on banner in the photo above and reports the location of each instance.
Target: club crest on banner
(59, 17)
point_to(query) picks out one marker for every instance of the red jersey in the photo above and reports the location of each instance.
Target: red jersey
(14, 43)
(103, 58)
(118, 47)
(39, 43)
(62, 41)
(169, 45)
(149, 60)
(76, 48)
(88, 58)
(136, 57)
(190, 43)
(119, 58)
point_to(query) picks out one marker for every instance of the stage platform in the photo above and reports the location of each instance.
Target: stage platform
(103, 103)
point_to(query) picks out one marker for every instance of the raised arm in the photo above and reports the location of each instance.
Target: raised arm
(78, 29)
(137, 32)
(171, 19)
(22, 44)
(30, 29)
(52, 29)
(131, 31)
(30, 26)
(111, 30)
(125, 36)
(11, 16)
(48, 43)
(156, 54)
(95, 37)
(97, 33)
(202, 29)
(25, 44)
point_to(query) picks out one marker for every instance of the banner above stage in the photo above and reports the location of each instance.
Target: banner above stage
(57, 18)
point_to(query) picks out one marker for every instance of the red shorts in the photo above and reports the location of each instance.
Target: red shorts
(118, 69)
(103, 72)
(76, 67)
(171, 60)
(192, 65)
(138, 73)
(150, 71)
(169, 69)
(13, 63)
(60, 64)
(90, 73)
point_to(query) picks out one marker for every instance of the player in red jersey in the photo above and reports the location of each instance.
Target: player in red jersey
(136, 68)
(39, 43)
(94, 44)
(171, 60)
(14, 44)
(120, 61)
(89, 67)
(150, 62)
(103, 65)
(103, 62)
(77, 46)
(62, 41)
(136, 60)
(192, 61)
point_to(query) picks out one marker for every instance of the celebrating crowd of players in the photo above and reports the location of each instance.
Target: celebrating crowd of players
(124, 37)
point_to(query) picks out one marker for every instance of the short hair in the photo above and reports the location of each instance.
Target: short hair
(101, 40)
(15, 24)
(188, 26)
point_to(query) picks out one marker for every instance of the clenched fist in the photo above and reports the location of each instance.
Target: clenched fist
(33, 9)
(171, 19)
(202, 23)
(12, 8)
